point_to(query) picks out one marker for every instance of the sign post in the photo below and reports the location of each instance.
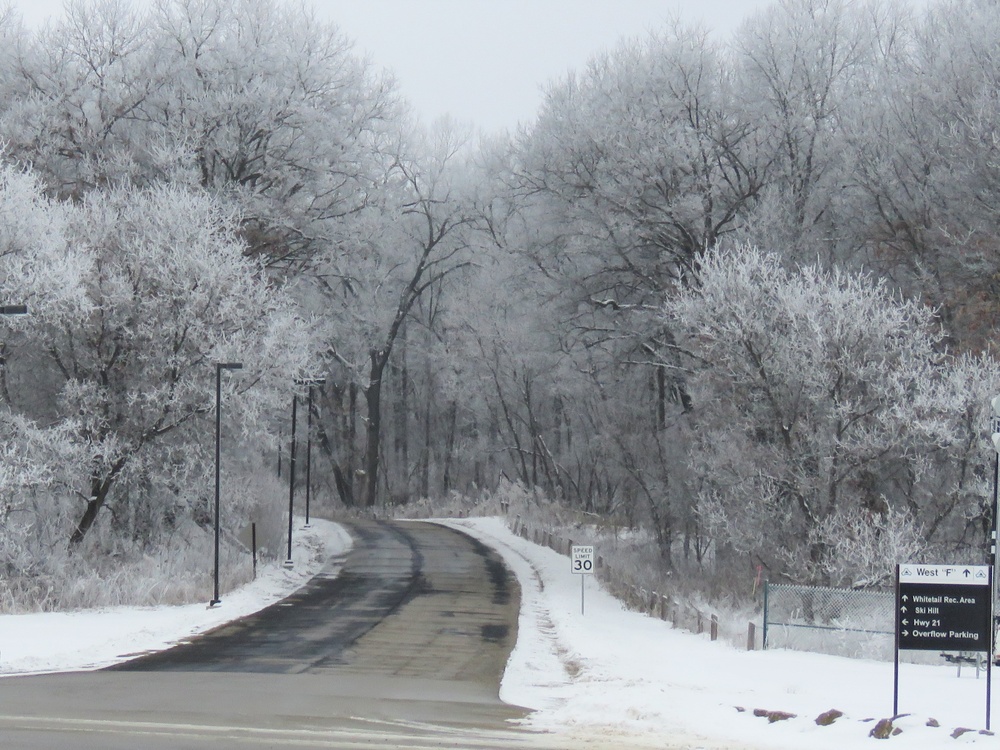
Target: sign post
(944, 608)
(582, 564)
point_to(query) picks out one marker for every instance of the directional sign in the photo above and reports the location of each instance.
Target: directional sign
(955, 575)
(944, 607)
(582, 560)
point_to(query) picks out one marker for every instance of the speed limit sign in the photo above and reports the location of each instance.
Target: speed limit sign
(583, 560)
(582, 564)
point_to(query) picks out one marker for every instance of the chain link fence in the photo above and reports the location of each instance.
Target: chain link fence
(843, 622)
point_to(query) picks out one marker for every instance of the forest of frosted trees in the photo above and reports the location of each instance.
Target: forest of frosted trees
(741, 293)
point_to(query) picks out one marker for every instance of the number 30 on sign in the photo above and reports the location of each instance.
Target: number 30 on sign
(583, 560)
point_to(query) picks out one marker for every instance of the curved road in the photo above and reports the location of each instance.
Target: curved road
(402, 645)
(413, 600)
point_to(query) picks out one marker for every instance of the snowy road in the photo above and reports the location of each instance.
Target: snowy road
(610, 679)
(404, 641)
(410, 601)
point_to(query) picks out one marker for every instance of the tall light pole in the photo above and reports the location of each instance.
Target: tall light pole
(310, 382)
(219, 367)
(309, 422)
(995, 428)
(291, 481)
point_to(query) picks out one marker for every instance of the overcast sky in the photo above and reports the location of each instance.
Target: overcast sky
(485, 61)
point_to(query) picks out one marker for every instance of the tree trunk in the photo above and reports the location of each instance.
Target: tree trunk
(351, 441)
(401, 438)
(425, 453)
(450, 446)
(373, 398)
(99, 488)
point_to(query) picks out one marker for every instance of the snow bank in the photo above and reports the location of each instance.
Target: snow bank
(91, 639)
(614, 673)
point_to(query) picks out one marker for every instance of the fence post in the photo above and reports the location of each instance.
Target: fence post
(701, 624)
(764, 640)
(715, 627)
(663, 607)
(751, 636)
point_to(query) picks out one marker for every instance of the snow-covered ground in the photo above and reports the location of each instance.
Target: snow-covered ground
(615, 673)
(607, 674)
(91, 639)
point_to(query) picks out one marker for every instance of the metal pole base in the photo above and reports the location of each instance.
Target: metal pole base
(214, 603)
(288, 564)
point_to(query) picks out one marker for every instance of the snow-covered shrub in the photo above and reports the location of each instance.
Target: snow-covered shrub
(819, 416)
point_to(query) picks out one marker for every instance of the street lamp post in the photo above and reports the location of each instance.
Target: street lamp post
(291, 481)
(219, 367)
(310, 382)
(995, 425)
(309, 422)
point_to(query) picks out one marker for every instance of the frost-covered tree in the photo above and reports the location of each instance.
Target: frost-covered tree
(634, 168)
(265, 103)
(801, 68)
(927, 158)
(253, 100)
(158, 288)
(402, 250)
(813, 395)
(79, 88)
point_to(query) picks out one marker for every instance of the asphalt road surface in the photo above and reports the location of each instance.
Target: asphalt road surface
(402, 644)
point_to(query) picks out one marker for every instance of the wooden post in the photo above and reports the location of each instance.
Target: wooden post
(714, 627)
(701, 624)
(751, 636)
(664, 605)
(253, 543)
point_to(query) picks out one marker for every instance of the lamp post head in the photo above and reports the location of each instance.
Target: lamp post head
(13, 309)
(310, 381)
(229, 365)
